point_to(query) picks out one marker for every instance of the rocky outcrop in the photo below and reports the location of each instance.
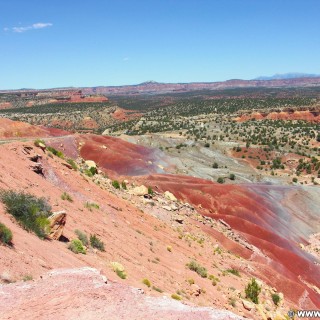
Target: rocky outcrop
(139, 191)
(57, 222)
(168, 195)
(306, 115)
(91, 164)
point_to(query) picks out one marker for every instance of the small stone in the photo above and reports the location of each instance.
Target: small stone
(247, 305)
(179, 220)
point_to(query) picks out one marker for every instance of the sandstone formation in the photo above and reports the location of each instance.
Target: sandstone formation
(306, 115)
(139, 191)
(57, 222)
(170, 196)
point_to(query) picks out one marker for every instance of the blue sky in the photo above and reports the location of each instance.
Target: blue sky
(56, 43)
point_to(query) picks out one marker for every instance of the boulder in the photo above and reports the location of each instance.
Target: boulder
(106, 132)
(148, 201)
(247, 305)
(139, 191)
(168, 195)
(90, 164)
(57, 222)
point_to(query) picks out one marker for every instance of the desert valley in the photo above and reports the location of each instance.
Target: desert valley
(172, 201)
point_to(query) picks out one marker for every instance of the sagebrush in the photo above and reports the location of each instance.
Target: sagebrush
(30, 211)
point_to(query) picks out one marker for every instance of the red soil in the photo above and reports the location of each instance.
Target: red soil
(255, 214)
(126, 230)
(125, 115)
(88, 123)
(266, 216)
(5, 105)
(252, 213)
(88, 99)
(16, 129)
(117, 156)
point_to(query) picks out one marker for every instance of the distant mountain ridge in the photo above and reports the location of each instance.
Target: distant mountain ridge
(293, 75)
(289, 80)
(153, 87)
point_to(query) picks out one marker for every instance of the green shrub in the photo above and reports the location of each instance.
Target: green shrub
(27, 277)
(252, 291)
(5, 234)
(93, 170)
(195, 266)
(31, 212)
(91, 205)
(121, 274)
(116, 184)
(215, 166)
(234, 271)
(275, 298)
(72, 164)
(220, 180)
(232, 176)
(82, 237)
(96, 243)
(88, 173)
(146, 282)
(217, 250)
(124, 185)
(214, 279)
(150, 191)
(118, 268)
(233, 302)
(76, 246)
(55, 152)
(175, 297)
(66, 196)
(157, 289)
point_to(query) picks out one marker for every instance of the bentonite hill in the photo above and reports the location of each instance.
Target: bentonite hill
(172, 217)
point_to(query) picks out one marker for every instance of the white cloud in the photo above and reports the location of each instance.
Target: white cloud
(39, 25)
